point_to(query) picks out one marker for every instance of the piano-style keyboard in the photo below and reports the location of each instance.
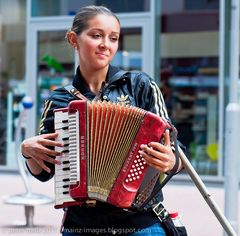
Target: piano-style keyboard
(65, 126)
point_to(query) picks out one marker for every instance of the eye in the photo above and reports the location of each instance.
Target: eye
(114, 39)
(96, 36)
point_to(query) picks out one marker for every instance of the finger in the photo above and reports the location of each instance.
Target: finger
(52, 143)
(167, 141)
(157, 158)
(47, 158)
(154, 146)
(52, 160)
(49, 152)
(150, 151)
(156, 163)
(43, 165)
(50, 135)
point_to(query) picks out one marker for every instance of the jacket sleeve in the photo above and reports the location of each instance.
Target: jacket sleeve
(46, 126)
(157, 105)
(149, 96)
(156, 101)
(47, 118)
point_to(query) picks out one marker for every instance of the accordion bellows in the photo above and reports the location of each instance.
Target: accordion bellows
(100, 158)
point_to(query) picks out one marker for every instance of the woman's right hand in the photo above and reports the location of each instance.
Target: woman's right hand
(36, 148)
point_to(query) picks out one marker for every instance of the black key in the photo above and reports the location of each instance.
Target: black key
(66, 168)
(66, 180)
(65, 162)
(65, 151)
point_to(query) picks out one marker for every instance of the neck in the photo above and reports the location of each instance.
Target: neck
(94, 79)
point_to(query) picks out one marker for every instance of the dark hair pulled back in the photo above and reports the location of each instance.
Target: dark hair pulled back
(84, 14)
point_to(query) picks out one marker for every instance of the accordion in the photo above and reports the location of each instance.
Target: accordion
(100, 158)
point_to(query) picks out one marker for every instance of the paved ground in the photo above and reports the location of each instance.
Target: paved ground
(197, 216)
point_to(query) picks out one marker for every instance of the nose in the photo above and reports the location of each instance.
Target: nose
(104, 44)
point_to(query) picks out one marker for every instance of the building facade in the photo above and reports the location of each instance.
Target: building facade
(175, 42)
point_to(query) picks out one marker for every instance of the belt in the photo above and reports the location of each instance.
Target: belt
(89, 203)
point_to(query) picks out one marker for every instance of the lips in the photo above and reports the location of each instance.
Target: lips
(101, 54)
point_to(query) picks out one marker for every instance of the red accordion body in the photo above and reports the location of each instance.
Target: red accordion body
(100, 158)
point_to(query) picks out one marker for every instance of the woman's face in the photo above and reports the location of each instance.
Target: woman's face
(98, 44)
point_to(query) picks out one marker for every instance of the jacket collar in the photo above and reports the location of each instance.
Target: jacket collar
(79, 84)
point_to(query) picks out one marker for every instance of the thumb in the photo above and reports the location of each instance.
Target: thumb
(167, 141)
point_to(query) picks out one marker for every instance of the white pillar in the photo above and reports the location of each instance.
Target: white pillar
(232, 141)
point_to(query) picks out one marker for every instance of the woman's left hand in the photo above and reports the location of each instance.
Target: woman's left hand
(159, 156)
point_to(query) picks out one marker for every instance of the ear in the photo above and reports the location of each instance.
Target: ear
(72, 39)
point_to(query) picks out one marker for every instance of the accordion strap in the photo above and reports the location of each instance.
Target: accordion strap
(72, 90)
(170, 175)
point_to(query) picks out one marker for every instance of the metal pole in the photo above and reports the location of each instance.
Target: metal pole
(206, 195)
(156, 6)
(232, 124)
(18, 140)
(223, 69)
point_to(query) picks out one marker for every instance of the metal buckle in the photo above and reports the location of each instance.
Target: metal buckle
(161, 212)
(90, 203)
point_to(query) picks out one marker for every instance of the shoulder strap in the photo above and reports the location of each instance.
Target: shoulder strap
(171, 174)
(72, 90)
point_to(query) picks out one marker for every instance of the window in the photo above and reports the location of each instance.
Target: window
(70, 7)
(189, 77)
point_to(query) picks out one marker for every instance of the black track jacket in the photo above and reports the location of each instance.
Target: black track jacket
(135, 88)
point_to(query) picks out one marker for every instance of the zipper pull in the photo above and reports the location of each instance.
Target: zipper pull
(99, 95)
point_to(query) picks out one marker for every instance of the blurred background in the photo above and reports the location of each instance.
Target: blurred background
(180, 50)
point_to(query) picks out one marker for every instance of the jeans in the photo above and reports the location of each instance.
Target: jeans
(153, 230)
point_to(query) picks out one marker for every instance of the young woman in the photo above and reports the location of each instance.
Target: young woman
(94, 35)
